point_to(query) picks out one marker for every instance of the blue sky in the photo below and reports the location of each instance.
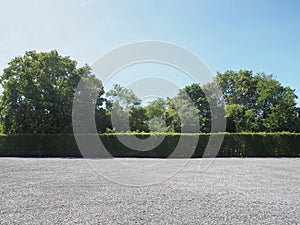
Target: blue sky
(226, 34)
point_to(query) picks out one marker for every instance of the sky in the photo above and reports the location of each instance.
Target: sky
(259, 35)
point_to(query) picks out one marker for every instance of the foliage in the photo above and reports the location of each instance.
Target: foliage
(124, 109)
(155, 115)
(183, 115)
(257, 103)
(197, 96)
(138, 120)
(234, 145)
(121, 97)
(38, 93)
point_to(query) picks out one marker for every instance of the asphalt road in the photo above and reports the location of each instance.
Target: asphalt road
(137, 191)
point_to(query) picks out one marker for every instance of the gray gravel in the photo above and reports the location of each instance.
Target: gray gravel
(228, 191)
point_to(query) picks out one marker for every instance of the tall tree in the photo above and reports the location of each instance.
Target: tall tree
(39, 90)
(172, 118)
(125, 110)
(182, 115)
(257, 102)
(197, 96)
(277, 105)
(155, 112)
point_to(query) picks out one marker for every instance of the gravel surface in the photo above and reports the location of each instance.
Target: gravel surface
(204, 191)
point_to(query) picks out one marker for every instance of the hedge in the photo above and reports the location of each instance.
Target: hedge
(234, 145)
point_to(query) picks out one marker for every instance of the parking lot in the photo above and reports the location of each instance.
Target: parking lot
(133, 191)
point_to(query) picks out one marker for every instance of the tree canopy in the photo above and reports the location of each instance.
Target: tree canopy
(38, 91)
(258, 102)
(39, 88)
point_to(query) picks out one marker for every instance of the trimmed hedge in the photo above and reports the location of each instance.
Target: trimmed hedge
(38, 145)
(234, 145)
(261, 145)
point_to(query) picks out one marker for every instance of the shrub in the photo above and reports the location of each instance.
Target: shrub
(234, 145)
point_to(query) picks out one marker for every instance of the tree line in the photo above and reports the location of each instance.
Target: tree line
(38, 93)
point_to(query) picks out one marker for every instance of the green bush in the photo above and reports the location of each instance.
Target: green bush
(234, 145)
(30, 145)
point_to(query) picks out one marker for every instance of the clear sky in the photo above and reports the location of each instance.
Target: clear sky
(262, 35)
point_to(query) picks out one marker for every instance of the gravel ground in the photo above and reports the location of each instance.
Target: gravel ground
(121, 191)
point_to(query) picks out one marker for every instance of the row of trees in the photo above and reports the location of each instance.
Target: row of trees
(38, 92)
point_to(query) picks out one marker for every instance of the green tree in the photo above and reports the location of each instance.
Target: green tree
(155, 112)
(138, 120)
(123, 97)
(198, 97)
(181, 115)
(39, 90)
(277, 105)
(240, 95)
(172, 119)
(257, 102)
(125, 110)
(216, 106)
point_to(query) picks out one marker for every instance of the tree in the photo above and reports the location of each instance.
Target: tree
(123, 97)
(138, 120)
(239, 94)
(257, 102)
(182, 115)
(172, 118)
(155, 112)
(216, 118)
(277, 105)
(39, 90)
(124, 109)
(198, 97)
